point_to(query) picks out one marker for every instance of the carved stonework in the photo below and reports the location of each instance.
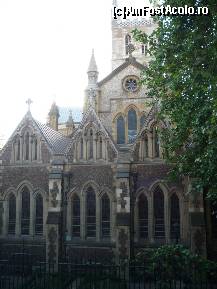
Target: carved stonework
(52, 237)
(54, 193)
(122, 238)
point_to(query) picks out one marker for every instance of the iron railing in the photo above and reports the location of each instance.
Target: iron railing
(24, 274)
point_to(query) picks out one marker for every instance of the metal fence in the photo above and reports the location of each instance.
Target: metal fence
(27, 275)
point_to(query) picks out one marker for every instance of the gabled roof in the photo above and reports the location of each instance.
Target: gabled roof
(56, 142)
(91, 116)
(128, 61)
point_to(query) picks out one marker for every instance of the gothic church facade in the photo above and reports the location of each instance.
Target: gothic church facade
(97, 185)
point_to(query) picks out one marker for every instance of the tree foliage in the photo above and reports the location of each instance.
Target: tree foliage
(182, 79)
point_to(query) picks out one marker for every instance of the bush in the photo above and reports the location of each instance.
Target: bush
(173, 263)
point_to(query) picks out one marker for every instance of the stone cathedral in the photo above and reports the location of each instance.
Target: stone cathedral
(94, 183)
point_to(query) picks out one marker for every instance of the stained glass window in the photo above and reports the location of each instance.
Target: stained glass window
(11, 214)
(174, 217)
(90, 213)
(39, 215)
(120, 130)
(159, 227)
(25, 212)
(143, 216)
(132, 125)
(76, 216)
(105, 216)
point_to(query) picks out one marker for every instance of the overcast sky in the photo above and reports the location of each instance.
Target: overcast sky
(45, 48)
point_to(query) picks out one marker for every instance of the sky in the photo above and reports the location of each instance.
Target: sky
(45, 48)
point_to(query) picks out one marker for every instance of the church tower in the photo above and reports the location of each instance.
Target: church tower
(53, 116)
(122, 37)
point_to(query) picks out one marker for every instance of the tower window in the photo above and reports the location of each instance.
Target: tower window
(120, 130)
(132, 125)
(91, 145)
(127, 42)
(27, 146)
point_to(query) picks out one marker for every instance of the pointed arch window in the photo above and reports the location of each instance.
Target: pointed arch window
(27, 146)
(39, 215)
(91, 145)
(156, 143)
(174, 217)
(35, 149)
(105, 216)
(143, 216)
(25, 211)
(132, 125)
(76, 219)
(100, 148)
(81, 149)
(90, 213)
(159, 227)
(120, 130)
(18, 150)
(127, 42)
(11, 214)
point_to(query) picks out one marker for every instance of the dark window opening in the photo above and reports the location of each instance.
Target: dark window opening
(25, 212)
(159, 227)
(174, 217)
(105, 217)
(143, 216)
(132, 126)
(90, 213)
(39, 215)
(120, 130)
(76, 216)
(12, 215)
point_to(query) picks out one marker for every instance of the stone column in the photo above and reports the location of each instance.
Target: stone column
(123, 213)
(53, 236)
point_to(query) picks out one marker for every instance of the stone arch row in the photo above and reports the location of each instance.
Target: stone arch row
(127, 124)
(26, 147)
(90, 213)
(159, 214)
(91, 144)
(25, 211)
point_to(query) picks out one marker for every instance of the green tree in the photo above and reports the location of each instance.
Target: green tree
(182, 79)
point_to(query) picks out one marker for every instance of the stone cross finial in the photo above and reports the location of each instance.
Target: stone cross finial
(29, 102)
